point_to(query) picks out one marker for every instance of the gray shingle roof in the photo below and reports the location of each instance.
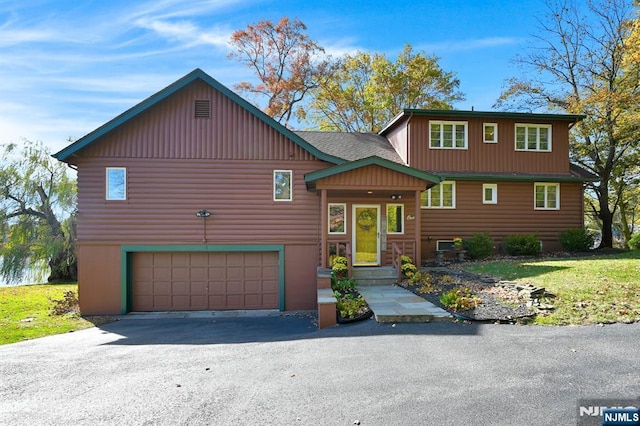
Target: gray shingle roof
(351, 146)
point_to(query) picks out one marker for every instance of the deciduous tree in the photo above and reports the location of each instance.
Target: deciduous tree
(285, 60)
(367, 90)
(579, 66)
(37, 213)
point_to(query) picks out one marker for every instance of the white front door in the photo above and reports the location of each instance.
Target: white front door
(366, 235)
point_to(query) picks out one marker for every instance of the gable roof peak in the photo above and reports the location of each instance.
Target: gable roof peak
(66, 153)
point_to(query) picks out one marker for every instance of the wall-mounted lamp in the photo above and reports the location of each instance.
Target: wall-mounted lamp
(396, 196)
(203, 213)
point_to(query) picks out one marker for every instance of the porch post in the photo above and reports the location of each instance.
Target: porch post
(418, 230)
(324, 225)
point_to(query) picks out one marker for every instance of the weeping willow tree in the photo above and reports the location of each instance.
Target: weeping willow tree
(37, 214)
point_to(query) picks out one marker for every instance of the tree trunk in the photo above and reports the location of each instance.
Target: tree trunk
(606, 217)
(64, 267)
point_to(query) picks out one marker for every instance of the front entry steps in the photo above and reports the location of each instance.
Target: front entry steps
(391, 304)
(374, 275)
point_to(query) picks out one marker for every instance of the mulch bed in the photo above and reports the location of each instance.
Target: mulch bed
(498, 304)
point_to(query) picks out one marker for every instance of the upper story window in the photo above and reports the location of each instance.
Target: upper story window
(448, 134)
(547, 196)
(116, 183)
(533, 137)
(490, 133)
(442, 196)
(395, 218)
(282, 184)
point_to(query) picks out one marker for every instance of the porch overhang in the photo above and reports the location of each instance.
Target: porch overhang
(349, 176)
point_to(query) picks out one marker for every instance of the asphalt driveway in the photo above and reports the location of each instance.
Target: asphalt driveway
(282, 370)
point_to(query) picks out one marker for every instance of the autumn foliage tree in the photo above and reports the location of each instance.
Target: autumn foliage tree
(37, 214)
(285, 60)
(583, 65)
(367, 90)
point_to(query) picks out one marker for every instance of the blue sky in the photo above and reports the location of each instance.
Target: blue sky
(67, 67)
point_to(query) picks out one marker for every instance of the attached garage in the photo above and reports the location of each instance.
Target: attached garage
(205, 280)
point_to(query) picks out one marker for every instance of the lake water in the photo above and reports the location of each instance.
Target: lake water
(33, 276)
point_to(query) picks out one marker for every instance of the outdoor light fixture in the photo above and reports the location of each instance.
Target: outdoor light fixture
(396, 196)
(203, 213)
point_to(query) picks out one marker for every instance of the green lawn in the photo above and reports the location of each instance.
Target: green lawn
(25, 313)
(589, 290)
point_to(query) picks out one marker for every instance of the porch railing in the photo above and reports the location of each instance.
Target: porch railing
(399, 248)
(341, 248)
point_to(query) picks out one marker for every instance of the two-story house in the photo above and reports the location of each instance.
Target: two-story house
(195, 200)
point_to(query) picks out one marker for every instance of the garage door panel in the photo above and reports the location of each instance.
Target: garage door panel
(180, 287)
(199, 302)
(270, 272)
(270, 286)
(198, 273)
(252, 273)
(161, 273)
(235, 301)
(219, 273)
(198, 288)
(199, 281)
(235, 273)
(253, 286)
(180, 273)
(162, 287)
(217, 287)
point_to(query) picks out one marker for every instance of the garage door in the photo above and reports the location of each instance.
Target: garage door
(204, 281)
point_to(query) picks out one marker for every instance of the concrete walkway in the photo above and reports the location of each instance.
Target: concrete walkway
(391, 303)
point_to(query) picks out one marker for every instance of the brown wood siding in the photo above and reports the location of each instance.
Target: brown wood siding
(371, 177)
(170, 130)
(164, 195)
(514, 214)
(489, 157)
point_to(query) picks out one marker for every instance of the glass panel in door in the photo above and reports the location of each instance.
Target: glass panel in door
(366, 235)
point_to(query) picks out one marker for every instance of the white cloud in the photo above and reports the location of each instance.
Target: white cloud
(186, 32)
(466, 45)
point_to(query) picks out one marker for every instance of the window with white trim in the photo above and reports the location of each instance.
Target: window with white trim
(533, 137)
(282, 185)
(546, 196)
(448, 134)
(116, 183)
(337, 218)
(490, 131)
(442, 196)
(395, 218)
(489, 193)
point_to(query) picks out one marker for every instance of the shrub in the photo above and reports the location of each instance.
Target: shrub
(350, 305)
(479, 246)
(408, 269)
(341, 260)
(522, 245)
(460, 299)
(405, 259)
(576, 239)
(343, 284)
(634, 241)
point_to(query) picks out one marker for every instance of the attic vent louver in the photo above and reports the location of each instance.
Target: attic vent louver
(203, 108)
